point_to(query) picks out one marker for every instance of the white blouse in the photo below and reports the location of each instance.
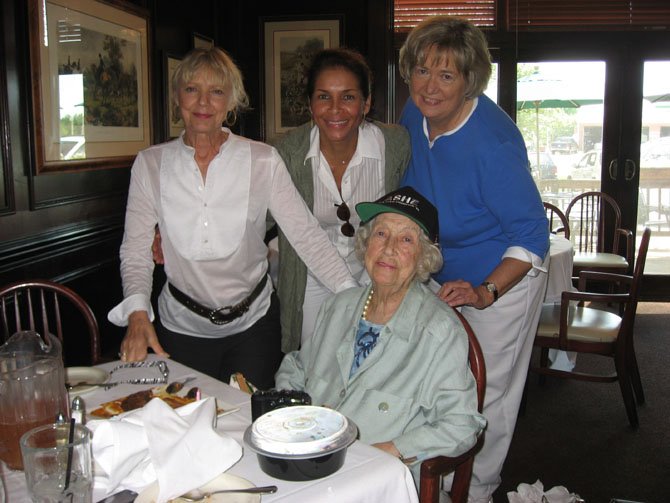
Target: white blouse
(363, 181)
(212, 232)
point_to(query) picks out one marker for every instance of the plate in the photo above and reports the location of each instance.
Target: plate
(92, 375)
(223, 481)
(123, 405)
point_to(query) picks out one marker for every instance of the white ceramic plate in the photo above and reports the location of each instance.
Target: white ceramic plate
(223, 481)
(92, 375)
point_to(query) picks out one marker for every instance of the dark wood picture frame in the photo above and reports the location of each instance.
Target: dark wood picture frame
(287, 47)
(107, 61)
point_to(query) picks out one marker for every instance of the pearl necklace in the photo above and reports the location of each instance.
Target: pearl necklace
(364, 316)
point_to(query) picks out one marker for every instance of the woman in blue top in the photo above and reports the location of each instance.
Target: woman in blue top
(469, 159)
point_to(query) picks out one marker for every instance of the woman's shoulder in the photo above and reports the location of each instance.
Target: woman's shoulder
(438, 317)
(243, 140)
(153, 154)
(346, 299)
(295, 140)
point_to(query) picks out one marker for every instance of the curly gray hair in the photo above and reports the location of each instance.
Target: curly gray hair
(429, 261)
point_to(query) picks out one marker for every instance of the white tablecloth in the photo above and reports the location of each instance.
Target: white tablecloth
(560, 268)
(368, 474)
(560, 280)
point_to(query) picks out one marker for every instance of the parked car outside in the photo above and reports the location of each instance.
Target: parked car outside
(547, 169)
(655, 153)
(588, 167)
(564, 145)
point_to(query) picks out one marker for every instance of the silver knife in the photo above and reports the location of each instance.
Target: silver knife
(126, 496)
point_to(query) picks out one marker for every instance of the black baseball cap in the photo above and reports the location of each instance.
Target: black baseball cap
(404, 201)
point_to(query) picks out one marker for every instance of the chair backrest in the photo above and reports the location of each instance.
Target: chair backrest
(476, 360)
(43, 306)
(638, 273)
(558, 222)
(461, 466)
(592, 216)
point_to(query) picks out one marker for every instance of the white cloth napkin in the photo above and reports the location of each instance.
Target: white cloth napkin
(535, 493)
(179, 448)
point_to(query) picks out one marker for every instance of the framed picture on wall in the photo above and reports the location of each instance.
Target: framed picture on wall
(201, 41)
(90, 84)
(288, 50)
(174, 122)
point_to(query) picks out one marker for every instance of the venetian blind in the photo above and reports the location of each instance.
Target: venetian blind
(538, 15)
(541, 15)
(408, 13)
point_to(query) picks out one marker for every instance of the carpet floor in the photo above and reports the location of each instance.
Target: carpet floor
(576, 434)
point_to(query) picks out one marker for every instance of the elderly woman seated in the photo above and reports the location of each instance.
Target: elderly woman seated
(392, 357)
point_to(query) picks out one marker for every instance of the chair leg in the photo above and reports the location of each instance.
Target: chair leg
(635, 380)
(627, 392)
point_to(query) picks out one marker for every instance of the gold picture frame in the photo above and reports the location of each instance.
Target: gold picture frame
(90, 76)
(288, 49)
(174, 122)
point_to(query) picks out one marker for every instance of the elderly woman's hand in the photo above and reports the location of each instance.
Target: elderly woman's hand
(393, 451)
(140, 336)
(461, 293)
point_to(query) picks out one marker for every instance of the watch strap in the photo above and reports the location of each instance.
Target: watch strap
(491, 287)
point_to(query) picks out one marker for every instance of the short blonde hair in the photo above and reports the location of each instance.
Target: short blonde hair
(430, 258)
(222, 66)
(450, 36)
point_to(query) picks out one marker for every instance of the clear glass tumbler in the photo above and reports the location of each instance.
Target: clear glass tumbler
(57, 463)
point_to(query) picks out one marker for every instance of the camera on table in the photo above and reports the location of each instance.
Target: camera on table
(265, 401)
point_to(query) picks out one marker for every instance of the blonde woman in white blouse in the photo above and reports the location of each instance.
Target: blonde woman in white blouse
(209, 192)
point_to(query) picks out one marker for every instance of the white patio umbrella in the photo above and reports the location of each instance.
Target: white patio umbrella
(547, 91)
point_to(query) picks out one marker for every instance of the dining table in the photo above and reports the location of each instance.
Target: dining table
(368, 474)
(561, 253)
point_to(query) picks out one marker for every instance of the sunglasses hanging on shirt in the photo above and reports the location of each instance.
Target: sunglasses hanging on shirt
(344, 214)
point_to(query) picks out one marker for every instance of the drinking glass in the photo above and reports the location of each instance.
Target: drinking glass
(57, 470)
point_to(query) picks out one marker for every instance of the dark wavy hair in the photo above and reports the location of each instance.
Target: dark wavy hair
(340, 58)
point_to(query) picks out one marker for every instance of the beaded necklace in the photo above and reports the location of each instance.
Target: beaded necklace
(364, 316)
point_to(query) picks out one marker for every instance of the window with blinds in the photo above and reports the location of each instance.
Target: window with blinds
(537, 15)
(541, 15)
(408, 13)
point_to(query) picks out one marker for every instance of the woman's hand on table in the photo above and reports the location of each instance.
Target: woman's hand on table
(140, 336)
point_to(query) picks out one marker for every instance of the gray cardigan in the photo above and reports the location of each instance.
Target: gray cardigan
(292, 270)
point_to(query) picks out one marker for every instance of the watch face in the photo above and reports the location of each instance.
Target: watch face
(491, 287)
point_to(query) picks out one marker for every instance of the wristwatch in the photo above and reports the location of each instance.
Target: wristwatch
(491, 287)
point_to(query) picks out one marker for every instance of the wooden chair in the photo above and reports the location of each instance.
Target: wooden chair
(571, 326)
(432, 470)
(592, 217)
(42, 306)
(558, 222)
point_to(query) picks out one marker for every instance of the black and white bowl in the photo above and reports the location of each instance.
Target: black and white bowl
(301, 443)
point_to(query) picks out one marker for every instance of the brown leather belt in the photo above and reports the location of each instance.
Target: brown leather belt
(222, 315)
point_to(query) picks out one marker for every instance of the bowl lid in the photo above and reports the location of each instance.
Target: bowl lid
(302, 431)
